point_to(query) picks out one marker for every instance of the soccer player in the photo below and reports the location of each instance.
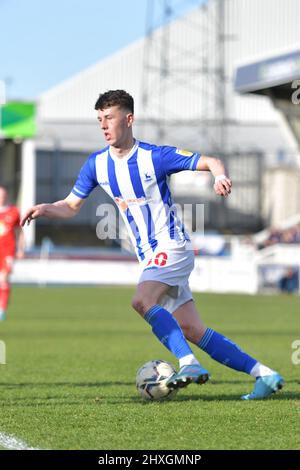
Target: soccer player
(135, 175)
(10, 236)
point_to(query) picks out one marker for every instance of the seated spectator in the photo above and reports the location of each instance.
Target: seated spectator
(273, 238)
(289, 235)
(289, 282)
(297, 233)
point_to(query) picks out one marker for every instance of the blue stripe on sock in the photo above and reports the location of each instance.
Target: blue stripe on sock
(152, 311)
(205, 338)
(226, 352)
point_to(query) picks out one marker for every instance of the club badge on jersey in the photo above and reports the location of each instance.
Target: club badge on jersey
(184, 153)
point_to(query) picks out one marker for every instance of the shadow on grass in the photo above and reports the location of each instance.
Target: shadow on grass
(92, 400)
(64, 384)
(120, 383)
(54, 401)
(282, 396)
(93, 390)
(250, 380)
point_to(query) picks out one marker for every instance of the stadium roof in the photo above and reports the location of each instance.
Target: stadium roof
(276, 73)
(276, 77)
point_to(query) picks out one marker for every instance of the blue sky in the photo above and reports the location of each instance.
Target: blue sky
(43, 42)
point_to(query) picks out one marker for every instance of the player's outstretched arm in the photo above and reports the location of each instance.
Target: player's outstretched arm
(68, 207)
(223, 183)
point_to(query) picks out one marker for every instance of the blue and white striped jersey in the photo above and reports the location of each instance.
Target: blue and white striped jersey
(138, 183)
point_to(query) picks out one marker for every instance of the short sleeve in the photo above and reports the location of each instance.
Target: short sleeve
(87, 179)
(175, 160)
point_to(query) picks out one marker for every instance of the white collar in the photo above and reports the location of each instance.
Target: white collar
(125, 158)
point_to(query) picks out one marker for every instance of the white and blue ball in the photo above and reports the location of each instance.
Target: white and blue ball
(151, 380)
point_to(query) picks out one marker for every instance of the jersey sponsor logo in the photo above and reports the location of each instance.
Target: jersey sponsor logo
(104, 183)
(123, 206)
(184, 153)
(125, 203)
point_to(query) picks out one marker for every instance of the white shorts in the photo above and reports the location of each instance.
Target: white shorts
(172, 267)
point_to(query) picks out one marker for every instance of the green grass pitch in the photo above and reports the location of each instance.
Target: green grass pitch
(72, 356)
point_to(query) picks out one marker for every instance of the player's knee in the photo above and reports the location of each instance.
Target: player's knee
(192, 333)
(187, 330)
(140, 304)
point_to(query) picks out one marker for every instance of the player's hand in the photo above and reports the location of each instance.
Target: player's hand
(33, 213)
(222, 185)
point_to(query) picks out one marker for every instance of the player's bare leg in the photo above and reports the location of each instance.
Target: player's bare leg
(148, 293)
(190, 322)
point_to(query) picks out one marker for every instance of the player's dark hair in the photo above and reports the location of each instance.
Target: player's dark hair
(115, 98)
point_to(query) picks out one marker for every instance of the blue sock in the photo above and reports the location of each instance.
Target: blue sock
(225, 351)
(168, 331)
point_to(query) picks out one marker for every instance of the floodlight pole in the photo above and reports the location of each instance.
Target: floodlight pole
(207, 72)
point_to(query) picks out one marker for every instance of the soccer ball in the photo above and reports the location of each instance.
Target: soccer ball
(151, 380)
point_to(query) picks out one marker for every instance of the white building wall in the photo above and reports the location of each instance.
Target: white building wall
(74, 99)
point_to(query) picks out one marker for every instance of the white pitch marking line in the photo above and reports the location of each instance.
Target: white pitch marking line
(13, 443)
